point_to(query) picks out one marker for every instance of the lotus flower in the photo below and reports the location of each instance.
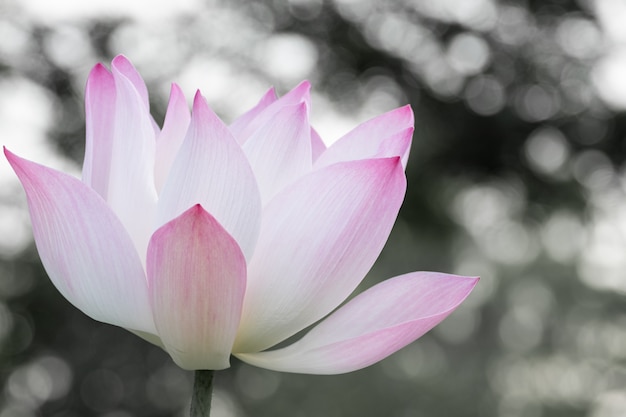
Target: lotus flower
(210, 240)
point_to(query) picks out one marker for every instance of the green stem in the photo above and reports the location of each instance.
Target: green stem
(202, 391)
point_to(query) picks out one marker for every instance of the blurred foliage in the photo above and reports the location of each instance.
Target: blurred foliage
(515, 175)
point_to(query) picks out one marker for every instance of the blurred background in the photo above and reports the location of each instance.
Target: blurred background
(516, 174)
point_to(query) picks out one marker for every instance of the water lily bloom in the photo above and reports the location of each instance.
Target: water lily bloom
(210, 240)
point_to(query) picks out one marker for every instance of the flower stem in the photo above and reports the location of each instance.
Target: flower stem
(202, 391)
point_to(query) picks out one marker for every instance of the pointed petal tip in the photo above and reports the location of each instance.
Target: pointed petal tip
(394, 160)
(271, 92)
(175, 90)
(269, 96)
(408, 110)
(15, 161)
(98, 70)
(300, 110)
(199, 102)
(120, 59)
(197, 210)
(304, 88)
(471, 279)
(306, 84)
(463, 284)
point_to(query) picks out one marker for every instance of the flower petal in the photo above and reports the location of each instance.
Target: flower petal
(212, 170)
(371, 326)
(171, 137)
(132, 194)
(86, 251)
(99, 119)
(280, 151)
(384, 136)
(197, 279)
(300, 94)
(318, 239)
(241, 123)
(318, 146)
(124, 66)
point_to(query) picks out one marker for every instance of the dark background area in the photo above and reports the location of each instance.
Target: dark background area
(516, 174)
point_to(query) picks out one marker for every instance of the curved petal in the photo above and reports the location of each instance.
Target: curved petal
(318, 239)
(197, 280)
(171, 137)
(299, 94)
(124, 66)
(371, 326)
(86, 251)
(383, 136)
(240, 124)
(132, 194)
(99, 121)
(280, 151)
(212, 170)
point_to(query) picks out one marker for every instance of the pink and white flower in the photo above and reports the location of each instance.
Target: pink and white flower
(210, 240)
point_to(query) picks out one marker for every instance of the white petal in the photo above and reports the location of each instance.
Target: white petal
(280, 151)
(240, 125)
(300, 94)
(212, 170)
(131, 193)
(383, 136)
(84, 248)
(171, 137)
(371, 326)
(318, 239)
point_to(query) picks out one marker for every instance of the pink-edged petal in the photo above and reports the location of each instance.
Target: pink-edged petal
(171, 137)
(318, 146)
(99, 120)
(124, 66)
(319, 237)
(240, 124)
(371, 326)
(386, 135)
(211, 169)
(86, 251)
(300, 94)
(132, 193)
(280, 151)
(197, 280)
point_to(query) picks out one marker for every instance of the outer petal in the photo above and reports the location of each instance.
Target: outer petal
(384, 136)
(100, 119)
(131, 193)
(300, 94)
(280, 151)
(318, 239)
(371, 326)
(84, 247)
(241, 123)
(171, 137)
(212, 170)
(197, 278)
